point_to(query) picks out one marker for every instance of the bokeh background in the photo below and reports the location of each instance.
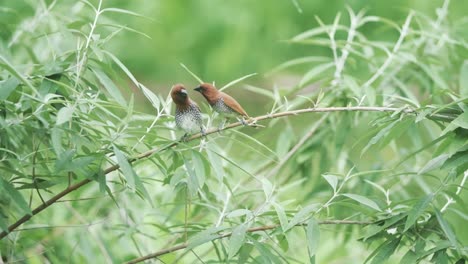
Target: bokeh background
(221, 41)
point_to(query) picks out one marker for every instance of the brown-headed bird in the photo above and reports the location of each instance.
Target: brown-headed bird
(222, 103)
(187, 114)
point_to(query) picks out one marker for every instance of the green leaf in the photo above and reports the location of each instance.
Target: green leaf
(245, 253)
(434, 163)
(56, 139)
(3, 223)
(132, 178)
(204, 236)
(439, 245)
(332, 180)
(382, 132)
(460, 121)
(237, 81)
(315, 72)
(192, 179)
(281, 215)
(447, 229)
(201, 167)
(15, 196)
(384, 251)
(123, 68)
(267, 188)
(122, 11)
(409, 258)
(110, 87)
(301, 216)
(417, 210)
(153, 98)
(7, 87)
(239, 212)
(193, 74)
(237, 239)
(313, 237)
(363, 200)
(65, 114)
(463, 82)
(10, 68)
(126, 168)
(64, 160)
(396, 131)
(217, 164)
(268, 256)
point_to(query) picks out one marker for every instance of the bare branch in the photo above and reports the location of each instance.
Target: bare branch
(250, 230)
(251, 122)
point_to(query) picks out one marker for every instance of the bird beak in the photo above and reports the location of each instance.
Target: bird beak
(198, 89)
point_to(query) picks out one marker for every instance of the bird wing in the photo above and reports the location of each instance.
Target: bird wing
(233, 104)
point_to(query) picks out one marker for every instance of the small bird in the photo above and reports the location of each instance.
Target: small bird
(187, 114)
(222, 103)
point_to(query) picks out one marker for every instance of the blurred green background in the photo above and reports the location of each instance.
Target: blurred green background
(222, 41)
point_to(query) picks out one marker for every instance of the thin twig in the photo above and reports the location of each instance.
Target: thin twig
(250, 230)
(147, 154)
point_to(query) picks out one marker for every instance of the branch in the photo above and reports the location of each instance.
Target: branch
(250, 230)
(147, 154)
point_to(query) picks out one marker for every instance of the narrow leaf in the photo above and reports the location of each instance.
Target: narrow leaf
(332, 180)
(417, 210)
(283, 219)
(192, 179)
(126, 168)
(191, 73)
(237, 239)
(237, 81)
(434, 163)
(110, 87)
(10, 68)
(363, 200)
(15, 196)
(464, 79)
(447, 229)
(65, 114)
(204, 236)
(313, 237)
(460, 121)
(7, 87)
(314, 72)
(153, 98)
(301, 216)
(385, 251)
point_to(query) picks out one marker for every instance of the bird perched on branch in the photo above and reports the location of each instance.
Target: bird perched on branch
(187, 115)
(222, 103)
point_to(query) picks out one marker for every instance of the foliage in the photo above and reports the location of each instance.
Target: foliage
(371, 186)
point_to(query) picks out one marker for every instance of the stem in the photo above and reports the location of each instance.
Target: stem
(250, 230)
(147, 154)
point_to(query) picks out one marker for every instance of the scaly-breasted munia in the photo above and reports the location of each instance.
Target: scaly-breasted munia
(187, 114)
(222, 102)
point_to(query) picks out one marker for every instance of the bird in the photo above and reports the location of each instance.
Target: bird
(187, 114)
(222, 103)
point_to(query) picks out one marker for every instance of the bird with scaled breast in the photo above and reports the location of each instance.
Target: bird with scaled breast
(187, 114)
(222, 103)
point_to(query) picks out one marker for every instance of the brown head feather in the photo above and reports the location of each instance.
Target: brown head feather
(180, 97)
(210, 92)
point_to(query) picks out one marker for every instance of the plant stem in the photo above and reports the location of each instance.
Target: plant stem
(250, 230)
(147, 154)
